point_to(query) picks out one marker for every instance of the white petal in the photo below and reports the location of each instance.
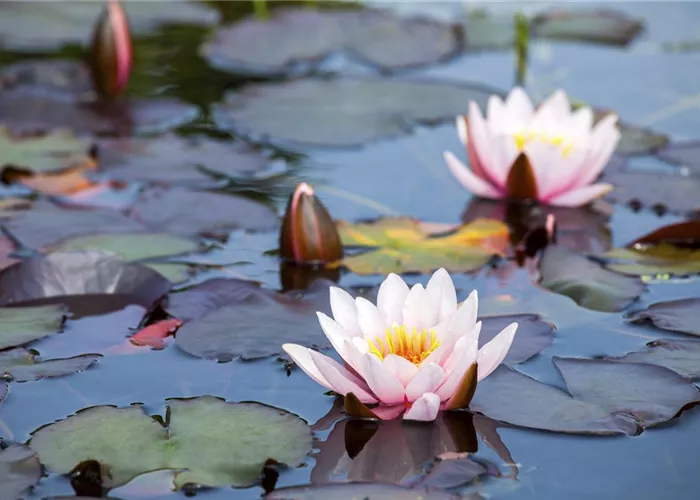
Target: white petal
(443, 296)
(465, 317)
(462, 344)
(425, 409)
(300, 355)
(354, 356)
(519, 108)
(581, 196)
(383, 383)
(454, 377)
(428, 378)
(335, 333)
(372, 322)
(581, 123)
(344, 310)
(418, 310)
(391, 297)
(402, 368)
(493, 353)
(496, 116)
(340, 378)
(481, 141)
(462, 129)
(468, 179)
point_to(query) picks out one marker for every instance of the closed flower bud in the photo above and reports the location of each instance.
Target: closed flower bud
(308, 233)
(110, 51)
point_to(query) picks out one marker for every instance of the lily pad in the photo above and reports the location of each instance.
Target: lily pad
(213, 294)
(602, 26)
(635, 141)
(47, 26)
(56, 277)
(587, 282)
(173, 159)
(19, 470)
(403, 245)
(685, 154)
(674, 315)
(342, 112)
(354, 491)
(453, 470)
(534, 334)
(191, 213)
(605, 397)
(25, 366)
(48, 152)
(680, 356)
(282, 45)
(254, 322)
(22, 325)
(212, 442)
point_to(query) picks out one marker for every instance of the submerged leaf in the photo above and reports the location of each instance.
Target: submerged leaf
(341, 112)
(49, 152)
(682, 315)
(19, 470)
(681, 356)
(213, 442)
(21, 325)
(358, 490)
(404, 245)
(24, 366)
(586, 282)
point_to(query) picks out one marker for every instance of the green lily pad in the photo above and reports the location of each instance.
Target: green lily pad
(680, 356)
(602, 26)
(211, 442)
(587, 282)
(131, 246)
(341, 112)
(53, 151)
(674, 315)
(19, 470)
(22, 325)
(24, 366)
(282, 45)
(405, 245)
(662, 262)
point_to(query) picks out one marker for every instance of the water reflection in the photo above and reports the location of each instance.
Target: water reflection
(299, 276)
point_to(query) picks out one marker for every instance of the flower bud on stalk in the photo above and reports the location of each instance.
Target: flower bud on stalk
(308, 233)
(110, 51)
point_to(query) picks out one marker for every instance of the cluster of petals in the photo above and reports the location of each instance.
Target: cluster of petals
(565, 151)
(409, 353)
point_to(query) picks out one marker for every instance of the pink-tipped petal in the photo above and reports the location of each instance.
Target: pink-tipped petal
(549, 115)
(424, 409)
(581, 196)
(382, 382)
(465, 317)
(493, 353)
(391, 297)
(470, 181)
(334, 332)
(344, 310)
(428, 378)
(442, 294)
(454, 376)
(418, 311)
(519, 108)
(300, 355)
(462, 129)
(581, 123)
(340, 379)
(496, 116)
(389, 412)
(372, 322)
(604, 140)
(403, 369)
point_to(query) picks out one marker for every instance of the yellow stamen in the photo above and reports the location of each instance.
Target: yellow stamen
(414, 346)
(523, 137)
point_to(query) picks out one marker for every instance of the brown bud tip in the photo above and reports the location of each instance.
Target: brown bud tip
(521, 184)
(308, 233)
(110, 51)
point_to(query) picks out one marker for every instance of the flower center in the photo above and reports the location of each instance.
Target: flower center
(523, 137)
(414, 346)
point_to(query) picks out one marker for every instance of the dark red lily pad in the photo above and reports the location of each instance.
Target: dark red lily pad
(281, 45)
(602, 26)
(22, 365)
(19, 470)
(682, 315)
(185, 212)
(254, 322)
(681, 356)
(355, 490)
(533, 335)
(587, 282)
(342, 112)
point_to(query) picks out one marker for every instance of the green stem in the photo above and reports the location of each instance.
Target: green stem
(260, 9)
(522, 43)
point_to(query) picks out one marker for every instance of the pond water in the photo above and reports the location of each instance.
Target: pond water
(651, 83)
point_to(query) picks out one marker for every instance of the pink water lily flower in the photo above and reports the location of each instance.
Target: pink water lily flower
(549, 154)
(414, 353)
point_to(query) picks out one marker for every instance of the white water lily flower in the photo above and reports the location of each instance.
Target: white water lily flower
(408, 354)
(549, 154)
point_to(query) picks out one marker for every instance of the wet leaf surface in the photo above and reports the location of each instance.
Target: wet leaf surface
(221, 444)
(452, 470)
(58, 276)
(251, 322)
(532, 336)
(608, 397)
(191, 213)
(21, 325)
(674, 315)
(658, 261)
(587, 282)
(282, 45)
(213, 294)
(24, 366)
(53, 151)
(680, 356)
(353, 491)
(602, 26)
(405, 245)
(342, 112)
(19, 470)
(685, 154)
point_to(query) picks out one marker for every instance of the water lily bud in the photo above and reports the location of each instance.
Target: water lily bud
(110, 51)
(308, 233)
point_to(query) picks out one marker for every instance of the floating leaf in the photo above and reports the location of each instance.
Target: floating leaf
(281, 45)
(191, 213)
(641, 396)
(635, 141)
(131, 246)
(341, 112)
(534, 334)
(214, 443)
(586, 282)
(55, 150)
(25, 366)
(675, 315)
(452, 470)
(67, 277)
(354, 491)
(3, 390)
(603, 26)
(680, 356)
(686, 154)
(21, 325)
(403, 245)
(213, 294)
(19, 470)
(661, 261)
(249, 321)
(174, 159)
